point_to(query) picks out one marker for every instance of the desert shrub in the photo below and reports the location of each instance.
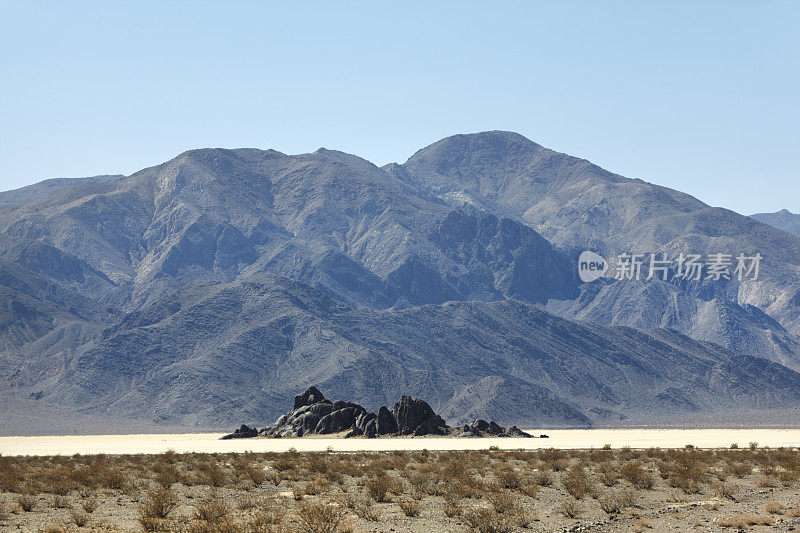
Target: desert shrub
(543, 478)
(744, 521)
(774, 507)
(167, 475)
(318, 485)
(211, 474)
(738, 470)
(158, 504)
(89, 505)
(452, 508)
(725, 490)
(687, 472)
(576, 482)
(529, 488)
(614, 502)
(211, 511)
(484, 520)
(409, 507)
(570, 508)
(26, 502)
(320, 517)
(522, 516)
(248, 503)
(362, 507)
(379, 487)
(506, 476)
(636, 475)
(788, 477)
(501, 501)
(112, 478)
(79, 517)
(767, 482)
(60, 502)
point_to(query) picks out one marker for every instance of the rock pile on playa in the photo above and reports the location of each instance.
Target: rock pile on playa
(313, 414)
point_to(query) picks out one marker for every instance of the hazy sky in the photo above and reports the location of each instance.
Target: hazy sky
(699, 96)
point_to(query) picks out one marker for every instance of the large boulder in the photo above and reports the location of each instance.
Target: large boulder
(386, 424)
(339, 420)
(311, 396)
(414, 415)
(242, 432)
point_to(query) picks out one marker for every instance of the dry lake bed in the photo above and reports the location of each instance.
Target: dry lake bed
(561, 439)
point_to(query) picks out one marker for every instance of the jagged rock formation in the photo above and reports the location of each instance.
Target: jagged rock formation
(415, 417)
(482, 428)
(242, 432)
(313, 414)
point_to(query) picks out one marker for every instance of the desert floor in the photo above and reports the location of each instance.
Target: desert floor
(682, 489)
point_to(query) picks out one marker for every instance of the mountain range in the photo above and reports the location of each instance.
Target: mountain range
(783, 219)
(208, 290)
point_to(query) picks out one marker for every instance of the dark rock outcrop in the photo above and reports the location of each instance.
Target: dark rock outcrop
(482, 428)
(311, 396)
(313, 414)
(387, 423)
(241, 433)
(415, 416)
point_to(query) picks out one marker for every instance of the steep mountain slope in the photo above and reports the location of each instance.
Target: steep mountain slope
(783, 219)
(239, 351)
(577, 205)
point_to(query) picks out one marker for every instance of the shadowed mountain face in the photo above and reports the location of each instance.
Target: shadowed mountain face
(212, 287)
(783, 219)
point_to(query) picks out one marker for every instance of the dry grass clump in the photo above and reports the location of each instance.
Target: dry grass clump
(636, 475)
(320, 517)
(89, 505)
(362, 507)
(726, 490)
(542, 478)
(613, 502)
(409, 507)
(774, 507)
(501, 501)
(157, 506)
(26, 502)
(79, 517)
(576, 482)
(380, 485)
(767, 482)
(483, 520)
(212, 511)
(61, 502)
(570, 508)
(744, 521)
(687, 471)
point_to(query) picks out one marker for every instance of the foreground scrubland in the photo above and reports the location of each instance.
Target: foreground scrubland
(483, 491)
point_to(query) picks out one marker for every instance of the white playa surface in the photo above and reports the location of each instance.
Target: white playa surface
(566, 439)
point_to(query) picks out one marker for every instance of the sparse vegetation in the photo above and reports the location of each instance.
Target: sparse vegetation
(482, 490)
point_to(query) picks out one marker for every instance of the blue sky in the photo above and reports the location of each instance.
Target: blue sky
(699, 96)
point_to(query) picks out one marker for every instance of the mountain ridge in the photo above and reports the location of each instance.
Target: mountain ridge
(480, 220)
